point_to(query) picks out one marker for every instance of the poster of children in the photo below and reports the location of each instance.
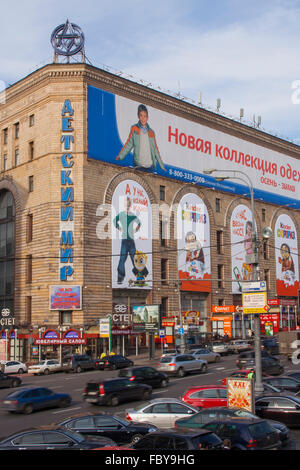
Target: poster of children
(193, 233)
(241, 231)
(131, 237)
(286, 255)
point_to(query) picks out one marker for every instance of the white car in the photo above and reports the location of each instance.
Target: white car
(162, 412)
(240, 345)
(45, 367)
(13, 367)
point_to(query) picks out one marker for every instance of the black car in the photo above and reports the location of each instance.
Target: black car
(283, 408)
(114, 391)
(270, 345)
(121, 431)
(9, 381)
(284, 383)
(207, 415)
(180, 439)
(52, 439)
(245, 356)
(145, 375)
(113, 362)
(270, 366)
(294, 374)
(245, 433)
(78, 363)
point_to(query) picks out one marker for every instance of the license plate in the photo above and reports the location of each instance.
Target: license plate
(7, 402)
(91, 400)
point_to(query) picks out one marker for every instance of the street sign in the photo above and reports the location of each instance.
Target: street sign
(254, 303)
(181, 331)
(254, 286)
(162, 333)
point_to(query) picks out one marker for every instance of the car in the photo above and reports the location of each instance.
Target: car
(50, 438)
(245, 433)
(205, 396)
(270, 345)
(162, 412)
(78, 363)
(179, 439)
(111, 392)
(145, 375)
(27, 400)
(206, 355)
(45, 367)
(9, 381)
(269, 365)
(245, 356)
(113, 362)
(295, 374)
(284, 383)
(117, 429)
(171, 352)
(221, 348)
(207, 415)
(283, 408)
(13, 367)
(239, 345)
(240, 374)
(181, 365)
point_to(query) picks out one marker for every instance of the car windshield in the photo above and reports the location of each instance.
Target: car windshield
(16, 394)
(167, 359)
(206, 441)
(260, 429)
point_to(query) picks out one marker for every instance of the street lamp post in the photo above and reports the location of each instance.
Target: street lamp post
(258, 368)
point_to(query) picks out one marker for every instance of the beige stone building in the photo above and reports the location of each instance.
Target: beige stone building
(52, 190)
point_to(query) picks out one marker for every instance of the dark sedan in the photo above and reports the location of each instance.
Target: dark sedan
(284, 383)
(52, 439)
(207, 415)
(295, 374)
(113, 362)
(27, 400)
(146, 375)
(283, 408)
(9, 381)
(121, 431)
(270, 366)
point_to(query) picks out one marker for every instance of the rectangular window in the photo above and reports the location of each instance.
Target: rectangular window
(221, 302)
(220, 276)
(17, 159)
(28, 309)
(267, 278)
(5, 136)
(162, 193)
(5, 161)
(218, 205)
(164, 306)
(31, 120)
(65, 318)
(266, 249)
(30, 184)
(220, 242)
(163, 229)
(164, 271)
(17, 130)
(263, 215)
(29, 268)
(29, 228)
(31, 150)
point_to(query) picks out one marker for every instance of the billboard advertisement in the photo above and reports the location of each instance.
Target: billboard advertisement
(241, 230)
(240, 394)
(193, 239)
(128, 133)
(286, 255)
(145, 317)
(131, 237)
(65, 298)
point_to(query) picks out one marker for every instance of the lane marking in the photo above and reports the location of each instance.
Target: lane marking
(67, 410)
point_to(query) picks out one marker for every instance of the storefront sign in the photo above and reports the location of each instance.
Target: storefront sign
(66, 251)
(65, 298)
(240, 394)
(273, 302)
(165, 323)
(58, 341)
(223, 308)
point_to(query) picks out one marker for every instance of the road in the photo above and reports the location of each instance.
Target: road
(74, 385)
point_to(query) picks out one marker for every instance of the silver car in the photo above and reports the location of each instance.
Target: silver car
(240, 345)
(206, 355)
(221, 348)
(181, 364)
(161, 412)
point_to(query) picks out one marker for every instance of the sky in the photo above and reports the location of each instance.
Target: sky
(245, 53)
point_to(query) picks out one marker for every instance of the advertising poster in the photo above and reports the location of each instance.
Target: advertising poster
(145, 317)
(193, 241)
(241, 231)
(65, 298)
(240, 394)
(286, 255)
(131, 237)
(132, 134)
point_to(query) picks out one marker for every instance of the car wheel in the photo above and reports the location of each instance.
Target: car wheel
(180, 372)
(78, 369)
(14, 384)
(64, 402)
(46, 372)
(203, 369)
(114, 401)
(21, 371)
(164, 383)
(28, 409)
(136, 438)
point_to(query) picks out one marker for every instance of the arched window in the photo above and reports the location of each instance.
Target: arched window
(7, 250)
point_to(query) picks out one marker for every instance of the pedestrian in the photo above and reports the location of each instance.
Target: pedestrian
(251, 374)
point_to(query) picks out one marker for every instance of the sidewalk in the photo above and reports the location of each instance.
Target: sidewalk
(143, 359)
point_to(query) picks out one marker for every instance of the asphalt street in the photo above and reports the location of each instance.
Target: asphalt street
(74, 385)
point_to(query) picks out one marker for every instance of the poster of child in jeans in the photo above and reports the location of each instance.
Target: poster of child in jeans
(241, 230)
(131, 237)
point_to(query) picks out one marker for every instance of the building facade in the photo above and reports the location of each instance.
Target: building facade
(75, 158)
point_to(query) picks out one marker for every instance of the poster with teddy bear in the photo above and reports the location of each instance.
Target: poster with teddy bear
(286, 255)
(131, 237)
